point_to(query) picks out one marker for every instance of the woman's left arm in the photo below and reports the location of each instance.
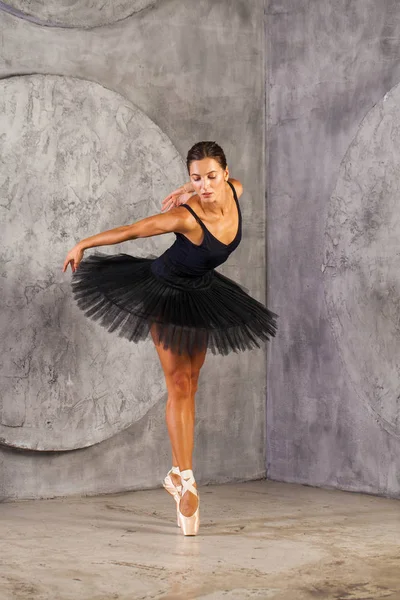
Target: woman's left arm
(179, 196)
(182, 194)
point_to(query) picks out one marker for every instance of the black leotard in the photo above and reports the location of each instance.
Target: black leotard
(185, 264)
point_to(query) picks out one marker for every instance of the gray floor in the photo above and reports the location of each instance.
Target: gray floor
(258, 539)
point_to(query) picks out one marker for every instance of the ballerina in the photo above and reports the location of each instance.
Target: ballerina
(178, 299)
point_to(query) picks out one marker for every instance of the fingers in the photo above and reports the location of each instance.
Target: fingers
(168, 206)
(66, 263)
(174, 200)
(72, 262)
(167, 200)
(172, 197)
(170, 202)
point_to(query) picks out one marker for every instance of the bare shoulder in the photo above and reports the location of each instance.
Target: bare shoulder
(179, 219)
(237, 185)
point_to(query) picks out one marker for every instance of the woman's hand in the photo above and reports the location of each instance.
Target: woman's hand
(74, 257)
(177, 197)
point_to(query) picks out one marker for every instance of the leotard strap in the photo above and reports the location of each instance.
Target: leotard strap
(203, 226)
(234, 192)
(196, 216)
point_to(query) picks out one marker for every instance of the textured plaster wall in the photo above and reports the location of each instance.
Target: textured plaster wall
(96, 119)
(333, 233)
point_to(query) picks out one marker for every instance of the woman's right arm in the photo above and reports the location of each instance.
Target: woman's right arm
(176, 220)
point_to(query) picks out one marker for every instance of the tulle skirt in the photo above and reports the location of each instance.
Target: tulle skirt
(124, 294)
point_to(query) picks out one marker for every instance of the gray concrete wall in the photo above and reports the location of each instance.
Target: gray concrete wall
(333, 229)
(96, 119)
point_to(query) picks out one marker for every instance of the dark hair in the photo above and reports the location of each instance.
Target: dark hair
(206, 150)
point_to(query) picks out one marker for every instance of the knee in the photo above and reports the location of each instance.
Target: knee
(194, 378)
(179, 384)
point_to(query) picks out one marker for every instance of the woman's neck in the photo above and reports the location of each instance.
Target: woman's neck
(219, 206)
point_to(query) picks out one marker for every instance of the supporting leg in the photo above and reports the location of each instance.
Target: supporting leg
(181, 375)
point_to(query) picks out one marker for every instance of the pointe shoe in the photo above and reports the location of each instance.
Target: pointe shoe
(189, 525)
(174, 490)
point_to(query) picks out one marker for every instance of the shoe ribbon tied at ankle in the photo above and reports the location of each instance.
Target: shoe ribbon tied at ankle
(187, 482)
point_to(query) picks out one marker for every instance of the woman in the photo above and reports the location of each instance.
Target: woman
(178, 298)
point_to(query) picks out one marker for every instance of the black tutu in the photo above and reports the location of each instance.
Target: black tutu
(123, 294)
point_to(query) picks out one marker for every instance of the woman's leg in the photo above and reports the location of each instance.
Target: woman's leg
(196, 362)
(181, 376)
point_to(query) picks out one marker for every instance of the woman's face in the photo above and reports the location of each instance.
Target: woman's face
(208, 178)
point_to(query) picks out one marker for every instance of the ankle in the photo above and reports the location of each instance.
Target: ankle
(186, 473)
(176, 479)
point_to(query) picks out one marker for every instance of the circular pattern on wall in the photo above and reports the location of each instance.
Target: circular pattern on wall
(76, 159)
(362, 261)
(76, 13)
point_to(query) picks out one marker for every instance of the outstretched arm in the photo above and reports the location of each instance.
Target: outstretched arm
(176, 220)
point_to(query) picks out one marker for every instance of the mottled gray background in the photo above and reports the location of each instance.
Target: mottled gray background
(328, 72)
(76, 159)
(195, 71)
(75, 13)
(333, 231)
